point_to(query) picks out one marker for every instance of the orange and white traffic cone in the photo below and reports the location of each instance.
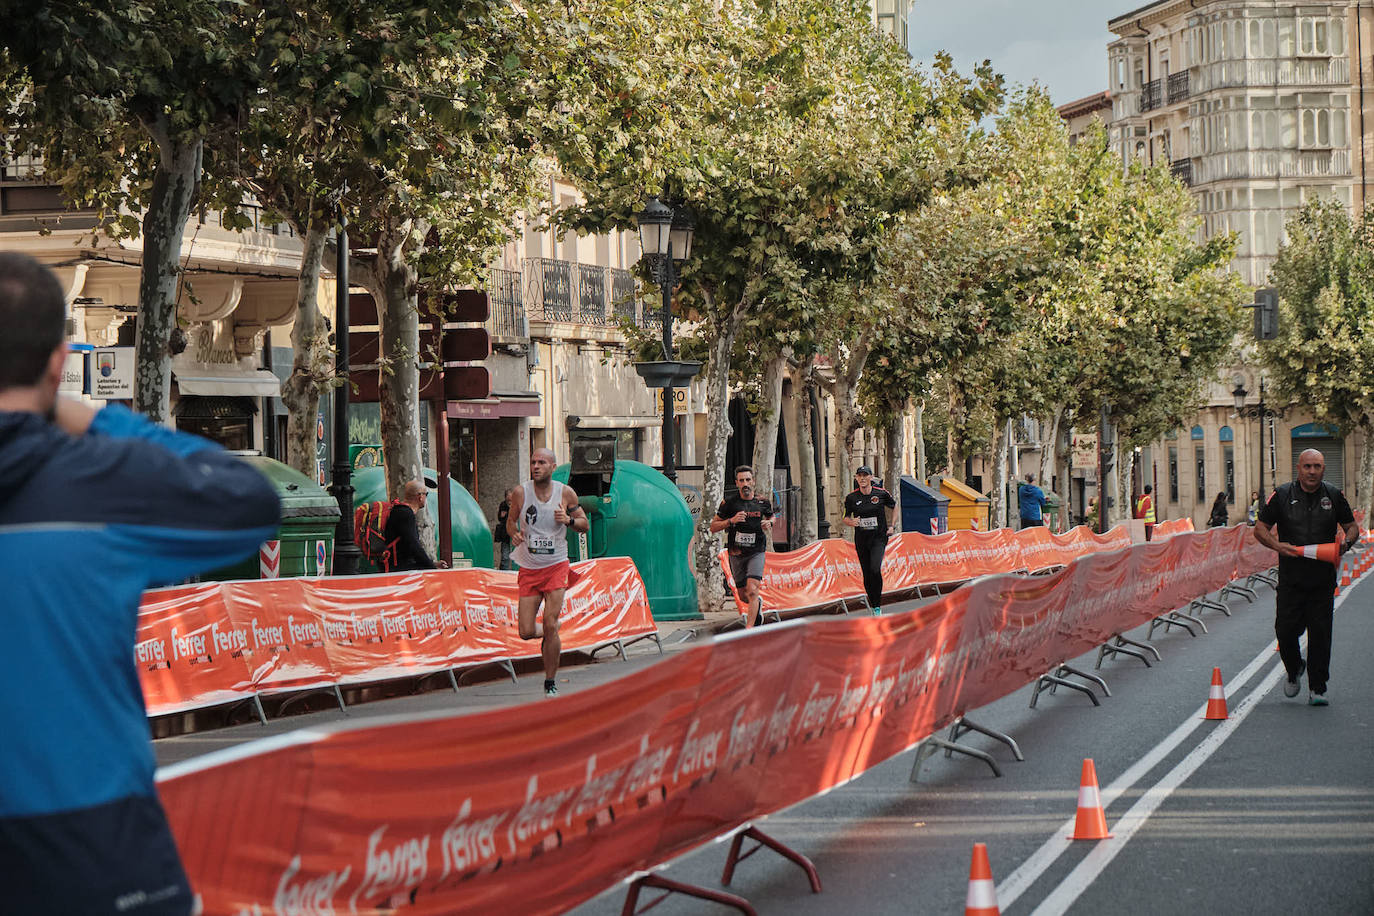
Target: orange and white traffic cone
(982, 893)
(1091, 823)
(1216, 698)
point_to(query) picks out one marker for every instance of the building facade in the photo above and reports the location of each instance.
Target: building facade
(1258, 107)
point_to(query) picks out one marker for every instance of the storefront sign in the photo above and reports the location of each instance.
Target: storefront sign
(74, 372)
(1084, 450)
(112, 373)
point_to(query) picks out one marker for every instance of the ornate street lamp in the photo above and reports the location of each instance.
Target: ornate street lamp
(665, 237)
(1260, 412)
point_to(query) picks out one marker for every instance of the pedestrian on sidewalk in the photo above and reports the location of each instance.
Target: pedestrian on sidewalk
(868, 510)
(541, 512)
(1306, 511)
(1031, 500)
(1219, 517)
(95, 507)
(1145, 509)
(500, 535)
(403, 530)
(749, 520)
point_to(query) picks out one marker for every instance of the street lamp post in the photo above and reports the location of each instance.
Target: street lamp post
(346, 552)
(1260, 412)
(665, 236)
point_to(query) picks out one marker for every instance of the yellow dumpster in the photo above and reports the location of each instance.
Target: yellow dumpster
(968, 509)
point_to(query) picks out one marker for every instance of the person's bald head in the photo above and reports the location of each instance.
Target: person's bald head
(413, 493)
(542, 463)
(1311, 468)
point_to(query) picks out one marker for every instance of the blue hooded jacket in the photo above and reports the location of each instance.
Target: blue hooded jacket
(86, 524)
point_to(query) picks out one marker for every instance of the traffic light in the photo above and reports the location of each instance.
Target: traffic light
(1266, 313)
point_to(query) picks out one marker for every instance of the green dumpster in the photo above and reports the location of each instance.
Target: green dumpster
(472, 544)
(645, 518)
(309, 516)
(1052, 506)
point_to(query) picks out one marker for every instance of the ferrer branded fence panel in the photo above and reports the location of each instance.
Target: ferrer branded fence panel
(207, 644)
(533, 809)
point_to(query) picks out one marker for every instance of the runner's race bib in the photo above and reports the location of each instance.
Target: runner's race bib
(541, 545)
(870, 522)
(744, 539)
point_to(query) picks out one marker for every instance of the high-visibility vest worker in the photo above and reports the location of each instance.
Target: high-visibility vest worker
(1145, 507)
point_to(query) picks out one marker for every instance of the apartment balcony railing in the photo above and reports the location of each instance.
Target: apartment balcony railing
(1183, 170)
(1178, 87)
(507, 321)
(1225, 74)
(1273, 164)
(582, 293)
(1151, 96)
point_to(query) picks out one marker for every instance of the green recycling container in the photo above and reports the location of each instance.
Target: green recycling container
(645, 518)
(309, 517)
(472, 544)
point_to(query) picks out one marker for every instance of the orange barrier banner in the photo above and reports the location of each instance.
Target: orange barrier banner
(212, 643)
(825, 571)
(534, 809)
(1172, 526)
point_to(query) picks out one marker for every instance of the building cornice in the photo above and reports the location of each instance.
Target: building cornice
(1098, 101)
(1151, 14)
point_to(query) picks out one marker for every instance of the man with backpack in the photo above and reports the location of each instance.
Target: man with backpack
(403, 531)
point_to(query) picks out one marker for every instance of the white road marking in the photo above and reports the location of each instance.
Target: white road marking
(1077, 881)
(1016, 884)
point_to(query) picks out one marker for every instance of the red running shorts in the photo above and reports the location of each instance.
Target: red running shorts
(536, 582)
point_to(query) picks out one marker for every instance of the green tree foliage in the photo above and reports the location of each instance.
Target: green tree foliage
(1324, 354)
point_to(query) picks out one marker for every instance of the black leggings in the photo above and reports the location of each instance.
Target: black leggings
(1305, 608)
(870, 551)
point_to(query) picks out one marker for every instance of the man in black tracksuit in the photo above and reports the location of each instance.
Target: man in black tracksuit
(1306, 511)
(868, 510)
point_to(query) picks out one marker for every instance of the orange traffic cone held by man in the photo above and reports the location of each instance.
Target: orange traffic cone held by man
(1327, 553)
(1091, 823)
(1216, 698)
(982, 893)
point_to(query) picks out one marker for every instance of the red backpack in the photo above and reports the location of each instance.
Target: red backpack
(369, 533)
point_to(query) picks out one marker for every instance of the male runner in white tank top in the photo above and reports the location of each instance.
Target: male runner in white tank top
(541, 511)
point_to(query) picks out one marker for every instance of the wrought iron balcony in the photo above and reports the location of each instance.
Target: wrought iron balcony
(507, 319)
(1178, 87)
(1183, 170)
(585, 294)
(1151, 96)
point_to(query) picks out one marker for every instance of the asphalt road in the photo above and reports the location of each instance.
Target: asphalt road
(1271, 811)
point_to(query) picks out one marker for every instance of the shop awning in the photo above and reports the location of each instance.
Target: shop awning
(214, 408)
(500, 404)
(615, 422)
(228, 381)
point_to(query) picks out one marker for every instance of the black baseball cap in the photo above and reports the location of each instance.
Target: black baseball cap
(864, 469)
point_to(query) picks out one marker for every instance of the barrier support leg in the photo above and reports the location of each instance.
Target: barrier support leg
(1055, 680)
(257, 707)
(761, 840)
(1066, 670)
(1119, 644)
(338, 695)
(963, 724)
(453, 680)
(669, 886)
(504, 663)
(1231, 588)
(653, 636)
(1204, 602)
(613, 644)
(1262, 577)
(928, 748)
(1172, 620)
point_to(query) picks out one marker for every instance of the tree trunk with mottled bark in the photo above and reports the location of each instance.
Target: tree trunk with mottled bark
(395, 293)
(766, 430)
(176, 182)
(312, 365)
(955, 440)
(710, 582)
(919, 446)
(998, 516)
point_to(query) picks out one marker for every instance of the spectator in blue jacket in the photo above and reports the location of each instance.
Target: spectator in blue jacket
(95, 506)
(1032, 500)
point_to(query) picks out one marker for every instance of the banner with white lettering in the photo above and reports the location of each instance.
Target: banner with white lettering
(534, 809)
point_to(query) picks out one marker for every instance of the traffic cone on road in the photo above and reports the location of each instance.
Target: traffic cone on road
(1091, 823)
(1216, 698)
(982, 893)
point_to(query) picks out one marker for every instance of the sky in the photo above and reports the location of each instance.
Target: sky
(1061, 44)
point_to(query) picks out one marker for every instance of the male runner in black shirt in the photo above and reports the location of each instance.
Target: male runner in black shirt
(749, 519)
(1305, 511)
(868, 510)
